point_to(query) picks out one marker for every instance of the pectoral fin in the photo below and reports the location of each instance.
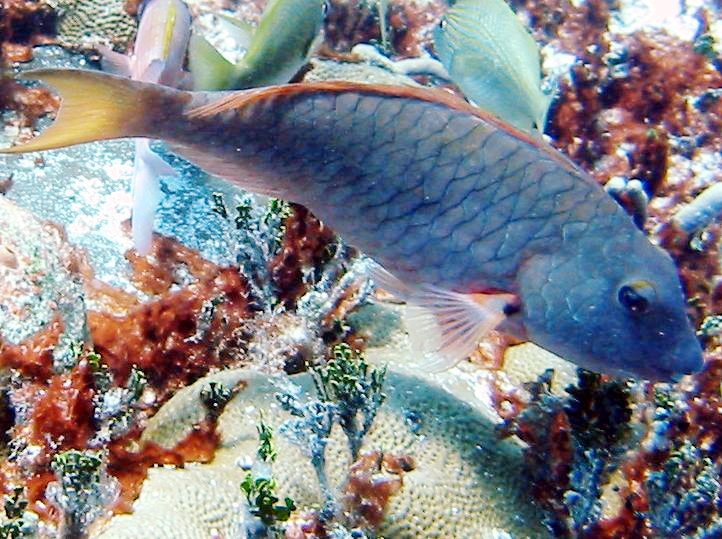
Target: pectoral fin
(114, 62)
(154, 71)
(445, 327)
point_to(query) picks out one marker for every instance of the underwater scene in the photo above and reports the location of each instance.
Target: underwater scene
(360, 269)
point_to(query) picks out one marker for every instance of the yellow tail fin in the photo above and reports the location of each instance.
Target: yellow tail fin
(95, 106)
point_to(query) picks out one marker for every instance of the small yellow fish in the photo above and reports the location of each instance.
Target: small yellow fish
(279, 47)
(494, 60)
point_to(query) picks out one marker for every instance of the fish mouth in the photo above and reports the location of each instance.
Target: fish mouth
(657, 374)
(685, 360)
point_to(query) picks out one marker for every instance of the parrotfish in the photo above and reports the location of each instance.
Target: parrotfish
(158, 56)
(475, 222)
(492, 57)
(278, 48)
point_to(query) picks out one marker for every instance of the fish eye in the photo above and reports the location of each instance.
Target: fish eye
(442, 23)
(637, 296)
(325, 8)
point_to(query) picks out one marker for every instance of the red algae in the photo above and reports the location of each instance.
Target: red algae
(23, 24)
(131, 467)
(305, 246)
(29, 103)
(176, 338)
(60, 417)
(34, 356)
(699, 269)
(409, 25)
(574, 26)
(132, 7)
(373, 479)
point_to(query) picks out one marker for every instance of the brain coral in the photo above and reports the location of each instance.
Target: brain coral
(83, 22)
(465, 483)
(193, 503)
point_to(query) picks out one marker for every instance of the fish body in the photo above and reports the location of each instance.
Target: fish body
(494, 60)
(279, 47)
(477, 223)
(158, 56)
(160, 46)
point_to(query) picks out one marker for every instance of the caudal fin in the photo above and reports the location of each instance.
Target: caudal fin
(97, 106)
(210, 70)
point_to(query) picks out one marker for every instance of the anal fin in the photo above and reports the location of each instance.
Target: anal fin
(146, 193)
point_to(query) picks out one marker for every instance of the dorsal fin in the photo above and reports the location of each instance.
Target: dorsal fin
(245, 98)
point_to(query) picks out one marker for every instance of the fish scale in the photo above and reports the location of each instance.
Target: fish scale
(484, 217)
(486, 214)
(474, 221)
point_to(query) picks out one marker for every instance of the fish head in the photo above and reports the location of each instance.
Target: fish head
(612, 305)
(441, 42)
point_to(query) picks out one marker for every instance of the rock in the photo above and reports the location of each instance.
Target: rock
(40, 283)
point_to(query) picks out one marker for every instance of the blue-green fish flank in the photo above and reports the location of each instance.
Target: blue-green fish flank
(473, 220)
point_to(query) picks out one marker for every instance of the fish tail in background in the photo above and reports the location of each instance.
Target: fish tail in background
(211, 71)
(495, 61)
(146, 193)
(240, 31)
(99, 106)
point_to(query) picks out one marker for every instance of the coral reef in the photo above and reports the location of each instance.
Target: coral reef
(182, 317)
(107, 358)
(85, 23)
(42, 293)
(409, 24)
(59, 396)
(82, 491)
(443, 471)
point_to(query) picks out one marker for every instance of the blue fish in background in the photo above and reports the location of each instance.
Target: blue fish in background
(494, 60)
(158, 56)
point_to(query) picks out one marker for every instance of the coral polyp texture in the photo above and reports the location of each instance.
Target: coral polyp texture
(127, 406)
(460, 479)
